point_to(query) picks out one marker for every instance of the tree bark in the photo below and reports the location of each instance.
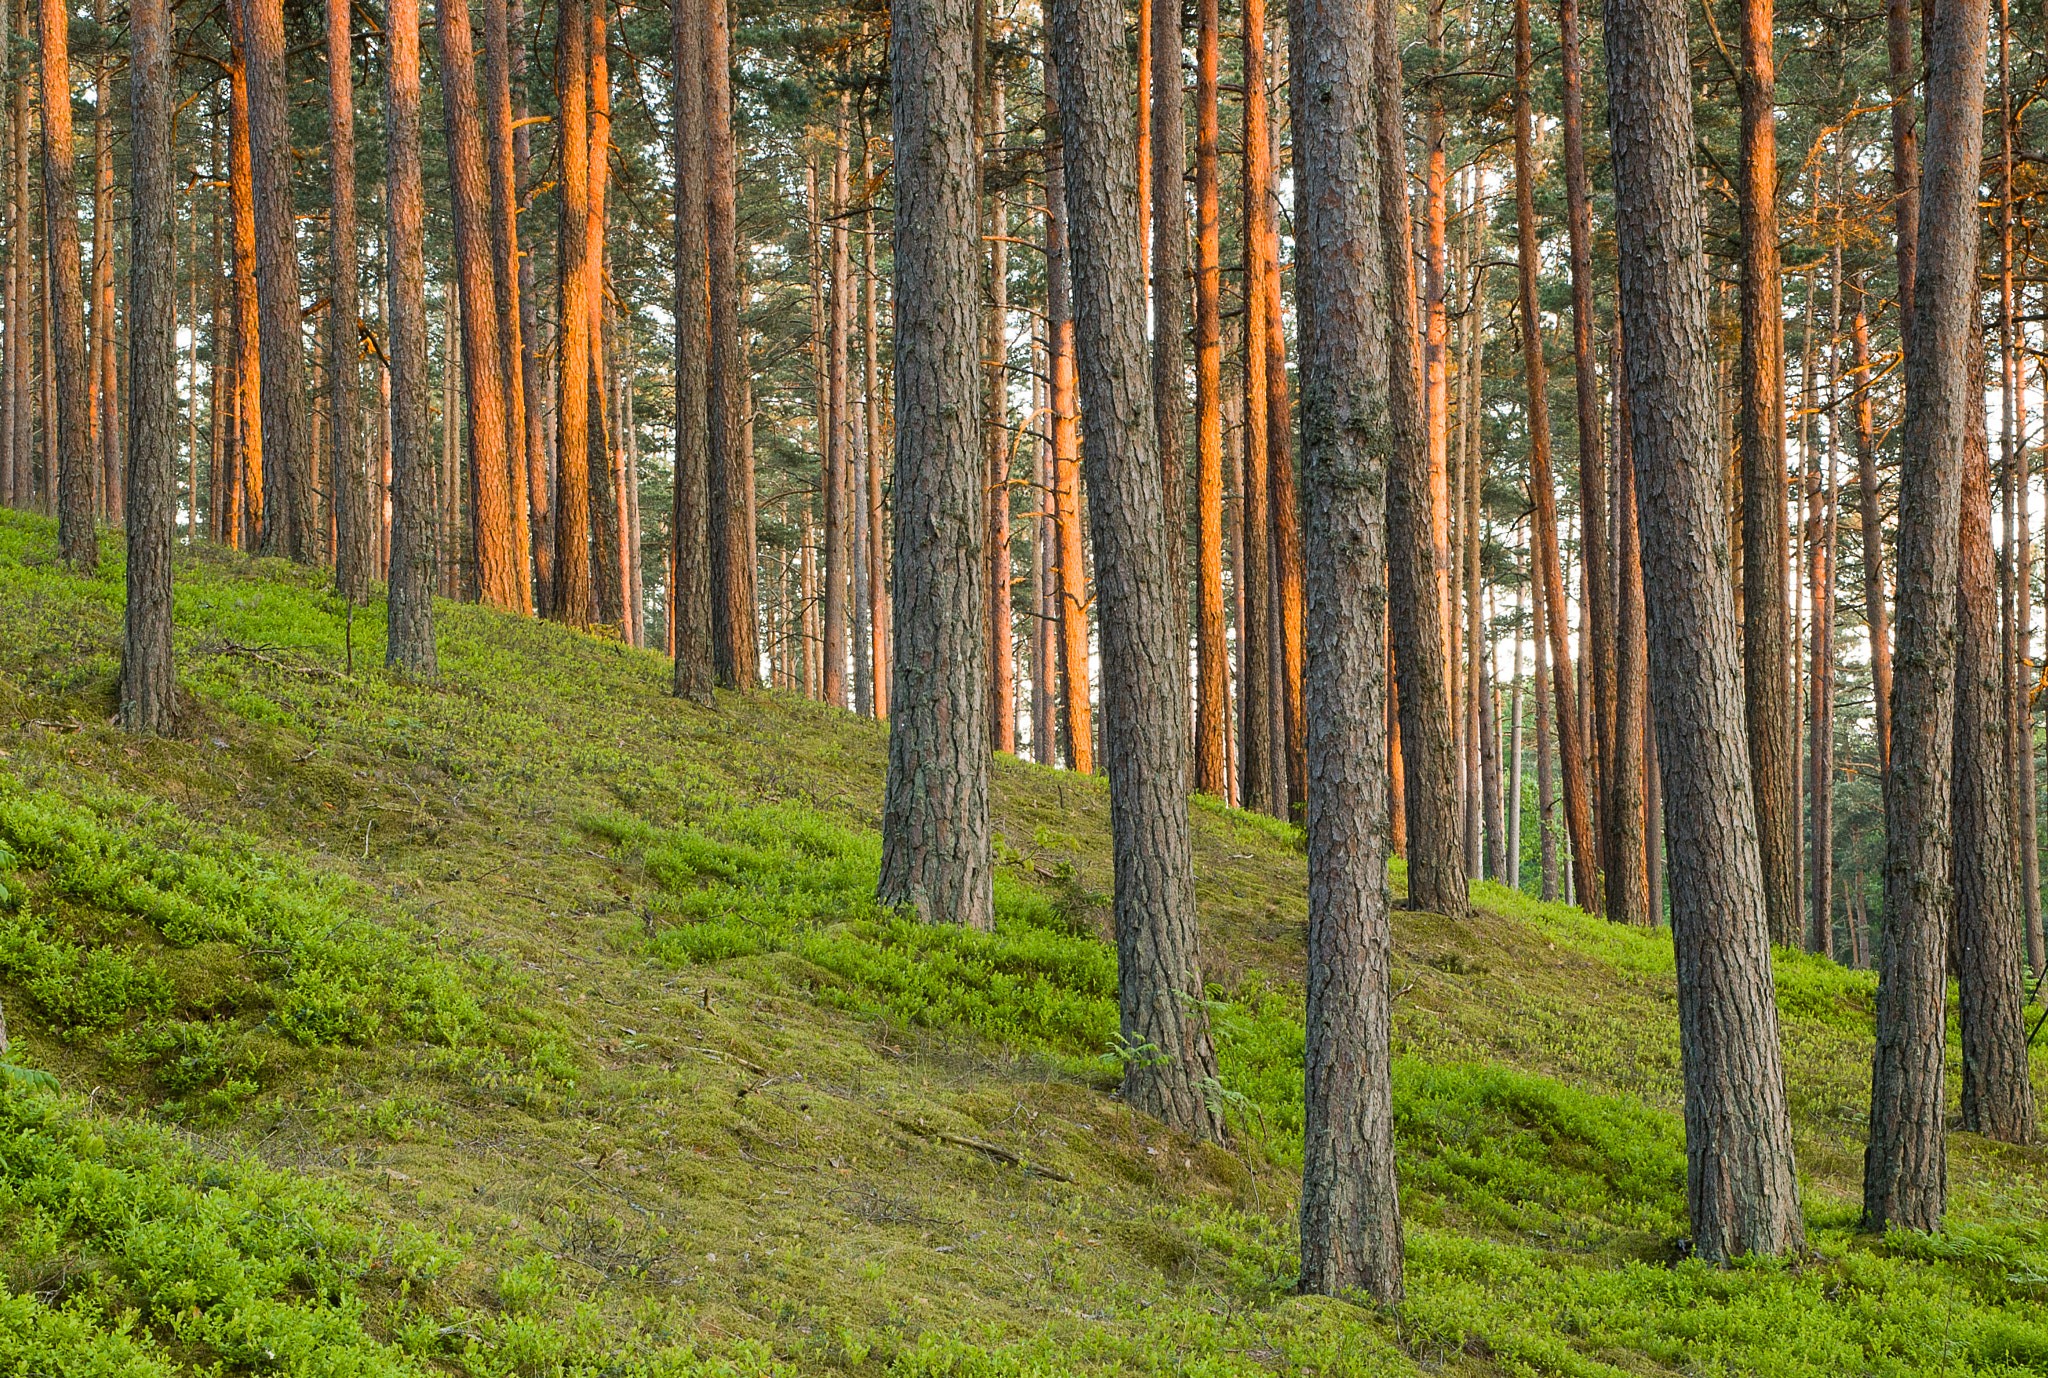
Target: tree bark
(1076, 717)
(501, 159)
(1998, 1096)
(410, 643)
(1159, 971)
(574, 599)
(839, 310)
(878, 536)
(1766, 683)
(1903, 74)
(1578, 808)
(935, 825)
(1166, 191)
(500, 556)
(1212, 655)
(735, 639)
(1350, 1203)
(103, 384)
(1741, 1187)
(691, 609)
(1630, 898)
(1870, 515)
(1906, 1160)
(607, 535)
(346, 487)
(149, 680)
(1002, 703)
(288, 521)
(69, 421)
(246, 511)
(532, 373)
(1436, 880)
(1261, 704)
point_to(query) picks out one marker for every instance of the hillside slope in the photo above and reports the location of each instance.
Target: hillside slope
(535, 1023)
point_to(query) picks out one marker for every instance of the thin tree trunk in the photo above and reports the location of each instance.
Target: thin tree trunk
(1578, 807)
(607, 567)
(935, 824)
(532, 374)
(1998, 1096)
(1631, 898)
(410, 644)
(879, 610)
(574, 598)
(1597, 626)
(1261, 706)
(1906, 1161)
(1350, 1203)
(1212, 656)
(839, 308)
(1283, 503)
(1513, 878)
(13, 318)
(1489, 763)
(1159, 969)
(1076, 718)
(1876, 623)
(77, 540)
(735, 640)
(149, 681)
(1741, 1186)
(102, 385)
(1903, 73)
(288, 528)
(1002, 707)
(1044, 652)
(347, 493)
(1820, 785)
(246, 514)
(1166, 191)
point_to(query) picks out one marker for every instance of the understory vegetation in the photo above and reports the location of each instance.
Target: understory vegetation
(535, 1023)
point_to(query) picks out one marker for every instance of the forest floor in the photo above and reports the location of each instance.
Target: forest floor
(533, 1022)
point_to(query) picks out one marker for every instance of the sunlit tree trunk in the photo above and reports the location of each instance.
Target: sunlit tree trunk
(1075, 715)
(735, 640)
(103, 390)
(1262, 772)
(574, 599)
(532, 374)
(1630, 897)
(838, 310)
(689, 601)
(347, 490)
(500, 159)
(607, 535)
(68, 421)
(1002, 704)
(878, 535)
(1212, 655)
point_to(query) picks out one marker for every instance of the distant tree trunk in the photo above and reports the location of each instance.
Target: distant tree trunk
(1436, 880)
(1597, 576)
(246, 510)
(14, 372)
(690, 599)
(1998, 1097)
(838, 307)
(1876, 624)
(607, 537)
(1903, 73)
(1350, 1203)
(1906, 1161)
(103, 385)
(1820, 784)
(69, 421)
(574, 599)
(1159, 969)
(735, 640)
(935, 828)
(149, 681)
(539, 487)
(1263, 774)
(1489, 762)
(410, 643)
(1767, 685)
(347, 493)
(879, 606)
(1578, 809)
(1075, 715)
(1166, 193)
(1630, 898)
(1044, 641)
(288, 528)
(500, 557)
(1212, 654)
(1546, 767)
(1741, 1187)
(1002, 704)
(1284, 505)
(501, 159)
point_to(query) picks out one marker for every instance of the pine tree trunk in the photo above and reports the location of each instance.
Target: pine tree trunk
(1212, 655)
(1076, 719)
(1166, 193)
(64, 306)
(500, 158)
(839, 303)
(1998, 1096)
(1578, 809)
(1597, 626)
(1741, 1187)
(410, 644)
(1876, 624)
(1002, 725)
(13, 399)
(935, 826)
(532, 373)
(246, 512)
(1546, 767)
(1491, 807)
(1630, 897)
(1350, 1203)
(1436, 881)
(500, 557)
(1159, 969)
(607, 539)
(1820, 777)
(1284, 505)
(691, 607)
(574, 599)
(1906, 1161)
(1903, 74)
(149, 681)
(347, 492)
(1262, 706)
(102, 386)
(878, 535)
(288, 528)
(735, 640)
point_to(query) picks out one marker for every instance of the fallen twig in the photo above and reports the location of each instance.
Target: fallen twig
(983, 1146)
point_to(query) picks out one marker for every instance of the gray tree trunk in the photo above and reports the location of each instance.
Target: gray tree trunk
(1350, 1203)
(689, 596)
(1145, 720)
(346, 482)
(149, 681)
(935, 828)
(735, 639)
(414, 501)
(67, 423)
(1741, 1188)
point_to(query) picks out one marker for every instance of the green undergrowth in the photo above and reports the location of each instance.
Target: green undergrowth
(529, 1024)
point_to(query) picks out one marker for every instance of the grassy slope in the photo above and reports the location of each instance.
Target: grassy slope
(537, 1023)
